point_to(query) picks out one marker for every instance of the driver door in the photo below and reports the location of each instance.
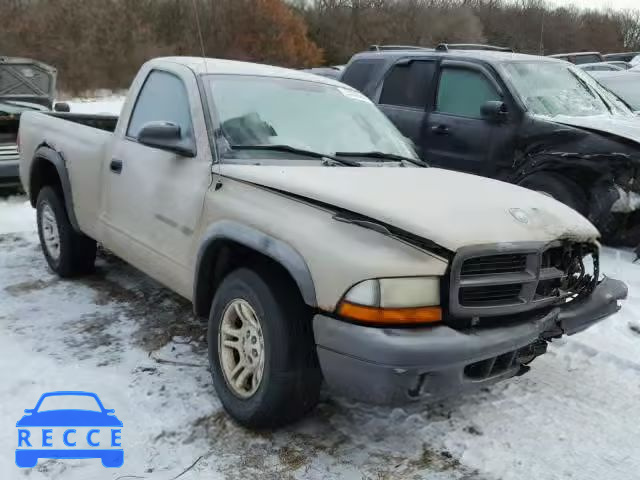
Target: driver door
(154, 196)
(457, 136)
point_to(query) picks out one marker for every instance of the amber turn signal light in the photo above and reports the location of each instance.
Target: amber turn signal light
(390, 316)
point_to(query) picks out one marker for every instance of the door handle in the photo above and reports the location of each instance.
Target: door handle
(116, 166)
(440, 129)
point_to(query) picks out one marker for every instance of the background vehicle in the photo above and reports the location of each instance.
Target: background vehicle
(600, 67)
(625, 85)
(579, 58)
(305, 269)
(622, 65)
(25, 85)
(535, 121)
(623, 57)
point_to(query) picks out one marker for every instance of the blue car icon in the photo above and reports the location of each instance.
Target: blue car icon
(67, 432)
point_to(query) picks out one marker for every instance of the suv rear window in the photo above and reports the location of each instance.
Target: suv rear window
(462, 92)
(358, 73)
(407, 85)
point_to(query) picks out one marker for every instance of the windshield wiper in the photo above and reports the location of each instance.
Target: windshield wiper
(383, 156)
(594, 94)
(300, 151)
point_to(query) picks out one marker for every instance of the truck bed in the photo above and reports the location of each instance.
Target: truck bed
(83, 141)
(102, 122)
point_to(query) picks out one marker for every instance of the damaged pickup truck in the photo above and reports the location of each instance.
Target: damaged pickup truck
(534, 121)
(296, 218)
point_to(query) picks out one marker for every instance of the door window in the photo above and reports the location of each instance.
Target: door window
(163, 98)
(407, 85)
(462, 92)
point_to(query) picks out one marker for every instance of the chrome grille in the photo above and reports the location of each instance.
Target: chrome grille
(9, 152)
(488, 281)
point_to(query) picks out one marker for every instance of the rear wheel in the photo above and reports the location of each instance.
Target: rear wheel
(261, 350)
(67, 252)
(562, 189)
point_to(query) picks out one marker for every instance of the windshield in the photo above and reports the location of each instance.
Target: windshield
(553, 88)
(255, 111)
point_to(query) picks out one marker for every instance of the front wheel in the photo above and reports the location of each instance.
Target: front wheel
(261, 350)
(67, 252)
(559, 187)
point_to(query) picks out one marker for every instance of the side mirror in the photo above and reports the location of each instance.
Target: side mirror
(28, 410)
(494, 110)
(62, 107)
(166, 136)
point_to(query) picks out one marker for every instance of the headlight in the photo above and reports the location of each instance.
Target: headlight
(394, 301)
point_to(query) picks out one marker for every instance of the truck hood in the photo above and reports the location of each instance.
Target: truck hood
(23, 79)
(449, 208)
(621, 126)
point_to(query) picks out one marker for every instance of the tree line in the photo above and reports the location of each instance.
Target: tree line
(101, 43)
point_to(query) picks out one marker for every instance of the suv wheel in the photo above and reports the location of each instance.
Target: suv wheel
(562, 189)
(261, 350)
(67, 252)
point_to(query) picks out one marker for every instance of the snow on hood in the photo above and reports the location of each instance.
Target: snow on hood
(449, 208)
(626, 127)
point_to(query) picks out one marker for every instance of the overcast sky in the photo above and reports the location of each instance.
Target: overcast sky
(615, 4)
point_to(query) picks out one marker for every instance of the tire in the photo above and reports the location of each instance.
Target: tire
(289, 385)
(562, 189)
(75, 253)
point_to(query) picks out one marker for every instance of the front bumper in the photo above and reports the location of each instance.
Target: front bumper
(9, 173)
(395, 366)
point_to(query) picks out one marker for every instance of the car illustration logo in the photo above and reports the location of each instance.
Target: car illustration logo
(519, 214)
(69, 424)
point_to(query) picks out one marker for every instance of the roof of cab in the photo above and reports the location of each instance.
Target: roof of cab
(488, 56)
(202, 66)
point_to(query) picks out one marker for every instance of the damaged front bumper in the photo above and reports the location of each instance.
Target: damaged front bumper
(395, 366)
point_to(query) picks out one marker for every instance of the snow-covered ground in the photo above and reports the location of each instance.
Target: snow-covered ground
(137, 345)
(110, 104)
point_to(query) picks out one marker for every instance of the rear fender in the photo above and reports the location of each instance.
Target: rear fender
(45, 153)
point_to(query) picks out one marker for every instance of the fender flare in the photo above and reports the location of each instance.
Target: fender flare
(261, 242)
(54, 157)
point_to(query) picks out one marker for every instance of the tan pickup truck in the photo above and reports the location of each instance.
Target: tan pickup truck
(295, 217)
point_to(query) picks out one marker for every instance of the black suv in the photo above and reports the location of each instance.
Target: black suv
(535, 121)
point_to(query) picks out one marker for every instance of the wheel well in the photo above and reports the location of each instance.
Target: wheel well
(224, 256)
(43, 173)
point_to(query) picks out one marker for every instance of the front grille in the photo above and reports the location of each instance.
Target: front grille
(485, 283)
(494, 264)
(9, 152)
(490, 295)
